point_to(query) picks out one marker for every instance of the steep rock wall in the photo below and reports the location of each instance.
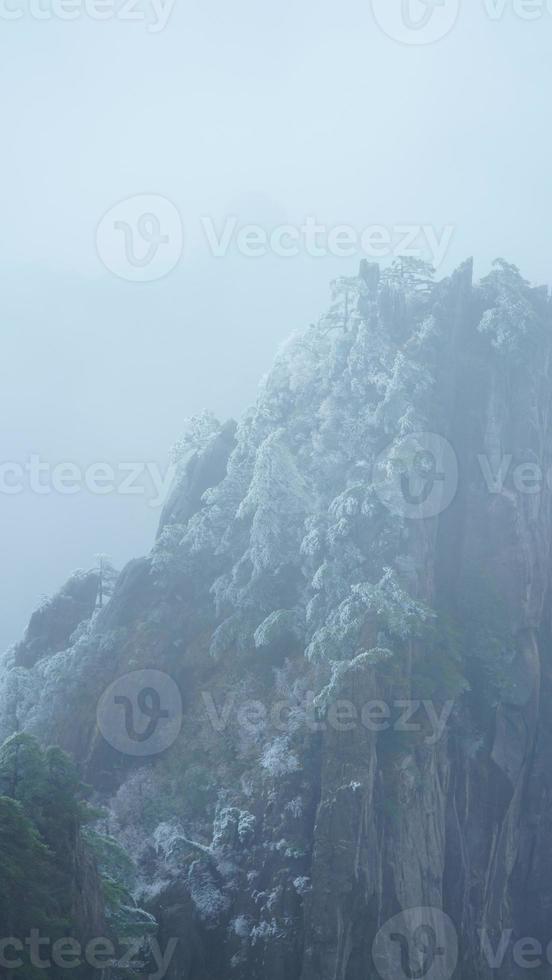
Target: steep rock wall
(286, 564)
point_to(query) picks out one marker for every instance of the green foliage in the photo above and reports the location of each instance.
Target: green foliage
(468, 652)
(199, 789)
(411, 274)
(486, 639)
(187, 789)
(26, 900)
(440, 674)
(23, 772)
(515, 319)
(24, 858)
(41, 816)
(47, 786)
(118, 874)
(112, 860)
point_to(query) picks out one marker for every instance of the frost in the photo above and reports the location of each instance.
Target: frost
(513, 318)
(279, 626)
(273, 898)
(394, 613)
(340, 668)
(246, 826)
(279, 759)
(207, 896)
(241, 926)
(167, 837)
(296, 525)
(199, 431)
(233, 827)
(276, 505)
(293, 545)
(226, 636)
(265, 931)
(19, 690)
(295, 807)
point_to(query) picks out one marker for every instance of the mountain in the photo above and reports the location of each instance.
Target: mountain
(315, 715)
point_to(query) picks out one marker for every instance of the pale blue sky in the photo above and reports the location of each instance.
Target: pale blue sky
(269, 112)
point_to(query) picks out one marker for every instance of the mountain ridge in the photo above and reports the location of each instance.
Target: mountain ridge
(296, 565)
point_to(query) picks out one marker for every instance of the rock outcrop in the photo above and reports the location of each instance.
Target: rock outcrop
(53, 624)
(351, 593)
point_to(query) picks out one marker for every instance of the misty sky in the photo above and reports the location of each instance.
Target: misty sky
(267, 112)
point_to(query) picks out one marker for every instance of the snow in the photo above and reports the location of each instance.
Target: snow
(513, 317)
(294, 544)
(278, 759)
(241, 926)
(265, 931)
(207, 896)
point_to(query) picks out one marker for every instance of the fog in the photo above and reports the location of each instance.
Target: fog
(268, 115)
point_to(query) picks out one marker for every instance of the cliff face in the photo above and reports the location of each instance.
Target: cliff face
(346, 619)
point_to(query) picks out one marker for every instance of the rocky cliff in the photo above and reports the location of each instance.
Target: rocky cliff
(318, 712)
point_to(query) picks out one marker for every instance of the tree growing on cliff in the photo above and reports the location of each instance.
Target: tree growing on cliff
(41, 814)
(25, 876)
(107, 576)
(411, 274)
